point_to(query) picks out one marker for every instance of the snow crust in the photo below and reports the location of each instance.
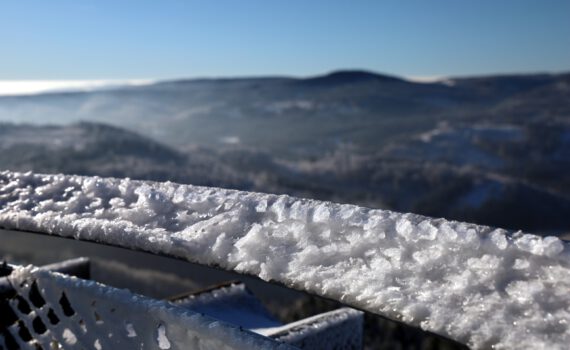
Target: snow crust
(478, 285)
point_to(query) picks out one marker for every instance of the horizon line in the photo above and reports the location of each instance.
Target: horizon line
(24, 87)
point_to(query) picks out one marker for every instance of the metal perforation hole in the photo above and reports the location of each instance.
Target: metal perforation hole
(97, 317)
(52, 317)
(162, 339)
(69, 336)
(23, 332)
(23, 305)
(39, 326)
(35, 296)
(131, 333)
(83, 326)
(66, 306)
(7, 315)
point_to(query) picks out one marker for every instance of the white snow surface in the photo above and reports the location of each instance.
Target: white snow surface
(480, 286)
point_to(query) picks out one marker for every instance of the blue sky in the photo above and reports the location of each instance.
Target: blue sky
(162, 39)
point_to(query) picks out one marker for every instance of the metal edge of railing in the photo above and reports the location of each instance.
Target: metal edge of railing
(78, 267)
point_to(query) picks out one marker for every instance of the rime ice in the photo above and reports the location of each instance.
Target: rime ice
(478, 285)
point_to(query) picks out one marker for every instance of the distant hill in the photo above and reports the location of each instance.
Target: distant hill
(492, 150)
(294, 115)
(96, 149)
(348, 77)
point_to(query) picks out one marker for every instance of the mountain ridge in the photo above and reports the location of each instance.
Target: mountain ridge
(332, 77)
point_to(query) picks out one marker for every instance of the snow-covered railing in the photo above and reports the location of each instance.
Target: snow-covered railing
(478, 285)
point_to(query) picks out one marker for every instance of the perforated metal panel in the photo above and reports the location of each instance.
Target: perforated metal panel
(54, 311)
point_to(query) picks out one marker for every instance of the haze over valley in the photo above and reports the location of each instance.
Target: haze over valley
(492, 150)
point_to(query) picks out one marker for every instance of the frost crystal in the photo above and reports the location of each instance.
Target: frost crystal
(479, 286)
